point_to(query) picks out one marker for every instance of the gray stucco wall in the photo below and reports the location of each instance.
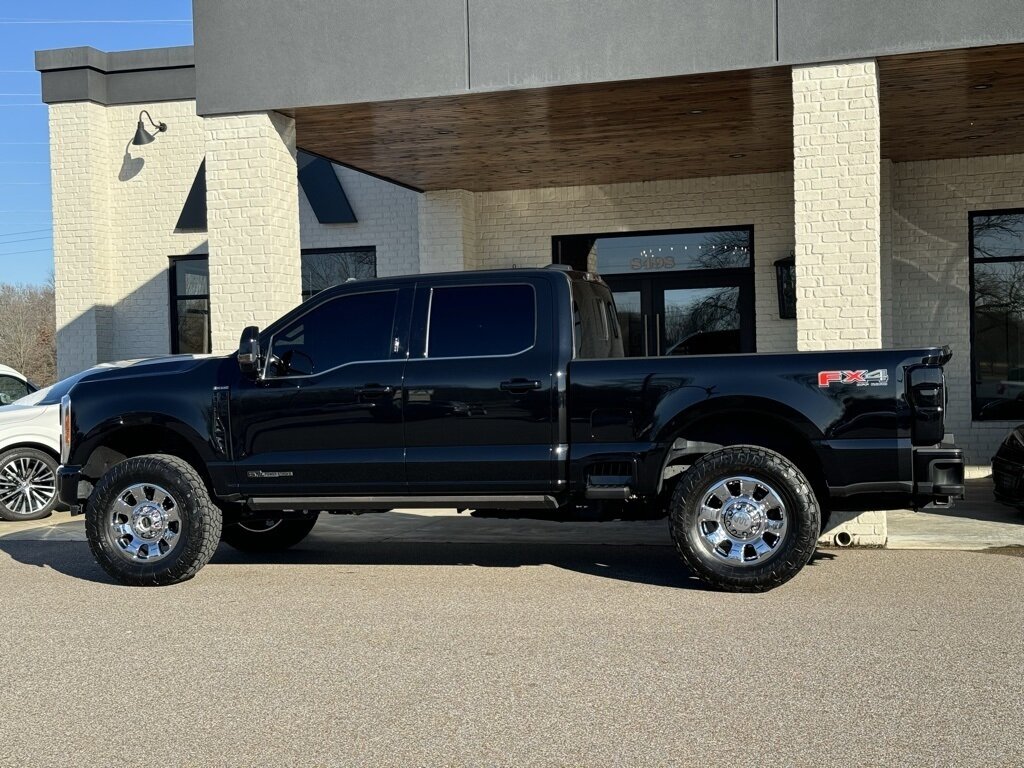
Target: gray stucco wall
(268, 54)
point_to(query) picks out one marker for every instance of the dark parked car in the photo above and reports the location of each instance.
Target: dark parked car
(1008, 469)
(495, 390)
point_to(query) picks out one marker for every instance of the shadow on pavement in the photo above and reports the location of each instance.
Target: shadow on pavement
(651, 565)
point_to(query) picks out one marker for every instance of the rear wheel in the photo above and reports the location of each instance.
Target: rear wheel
(28, 484)
(150, 521)
(268, 535)
(744, 519)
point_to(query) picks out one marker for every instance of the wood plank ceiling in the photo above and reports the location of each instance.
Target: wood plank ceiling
(934, 105)
(945, 104)
(641, 130)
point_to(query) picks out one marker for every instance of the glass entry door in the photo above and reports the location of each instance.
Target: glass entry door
(685, 292)
(661, 318)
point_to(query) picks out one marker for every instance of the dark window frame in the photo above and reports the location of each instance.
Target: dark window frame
(174, 298)
(340, 249)
(971, 262)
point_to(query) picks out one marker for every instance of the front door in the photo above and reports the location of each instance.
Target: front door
(689, 292)
(326, 418)
(480, 390)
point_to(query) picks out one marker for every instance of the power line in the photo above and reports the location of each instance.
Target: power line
(95, 21)
(24, 240)
(24, 232)
(22, 253)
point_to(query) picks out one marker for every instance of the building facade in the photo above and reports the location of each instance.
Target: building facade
(749, 176)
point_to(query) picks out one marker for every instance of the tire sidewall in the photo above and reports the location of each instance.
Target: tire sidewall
(30, 453)
(197, 515)
(803, 517)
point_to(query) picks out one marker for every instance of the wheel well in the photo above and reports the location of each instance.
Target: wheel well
(750, 428)
(140, 441)
(34, 446)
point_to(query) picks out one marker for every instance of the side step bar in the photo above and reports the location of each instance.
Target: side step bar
(290, 504)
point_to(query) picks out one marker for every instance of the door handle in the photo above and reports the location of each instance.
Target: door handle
(374, 390)
(519, 386)
(657, 334)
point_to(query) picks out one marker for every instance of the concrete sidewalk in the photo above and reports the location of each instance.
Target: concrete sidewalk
(976, 523)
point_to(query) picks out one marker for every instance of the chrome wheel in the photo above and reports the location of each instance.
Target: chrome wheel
(144, 523)
(741, 521)
(27, 485)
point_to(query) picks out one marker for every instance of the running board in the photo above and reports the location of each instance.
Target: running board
(292, 503)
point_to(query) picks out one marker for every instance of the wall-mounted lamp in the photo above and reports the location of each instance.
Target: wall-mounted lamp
(785, 282)
(142, 136)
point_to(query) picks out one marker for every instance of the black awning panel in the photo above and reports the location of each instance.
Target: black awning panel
(193, 214)
(323, 190)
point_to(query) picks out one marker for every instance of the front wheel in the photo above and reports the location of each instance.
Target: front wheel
(28, 484)
(268, 535)
(744, 519)
(150, 521)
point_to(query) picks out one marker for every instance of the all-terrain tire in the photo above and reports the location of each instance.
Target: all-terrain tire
(35, 465)
(278, 535)
(199, 521)
(802, 516)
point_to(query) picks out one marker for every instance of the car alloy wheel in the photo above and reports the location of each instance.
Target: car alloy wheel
(741, 521)
(144, 523)
(27, 485)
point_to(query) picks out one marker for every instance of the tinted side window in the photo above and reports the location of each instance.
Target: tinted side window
(344, 330)
(478, 320)
(11, 389)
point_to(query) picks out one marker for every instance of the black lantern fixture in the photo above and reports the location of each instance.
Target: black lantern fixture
(142, 136)
(785, 282)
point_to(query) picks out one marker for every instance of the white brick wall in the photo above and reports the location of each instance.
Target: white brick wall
(448, 230)
(115, 206)
(931, 289)
(252, 194)
(515, 228)
(837, 193)
(388, 219)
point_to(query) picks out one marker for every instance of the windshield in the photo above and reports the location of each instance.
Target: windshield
(52, 394)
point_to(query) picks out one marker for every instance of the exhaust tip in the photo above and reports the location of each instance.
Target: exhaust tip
(843, 539)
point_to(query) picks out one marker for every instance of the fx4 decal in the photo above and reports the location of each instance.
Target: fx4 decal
(876, 378)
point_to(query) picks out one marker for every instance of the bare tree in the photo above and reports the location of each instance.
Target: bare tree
(28, 331)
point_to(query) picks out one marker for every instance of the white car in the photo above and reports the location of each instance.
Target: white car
(30, 449)
(13, 385)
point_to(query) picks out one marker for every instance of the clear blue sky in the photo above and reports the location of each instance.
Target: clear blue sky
(110, 25)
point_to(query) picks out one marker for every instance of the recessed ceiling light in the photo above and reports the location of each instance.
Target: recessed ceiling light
(696, 112)
(982, 86)
(738, 154)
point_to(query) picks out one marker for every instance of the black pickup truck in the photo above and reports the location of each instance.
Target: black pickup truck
(492, 390)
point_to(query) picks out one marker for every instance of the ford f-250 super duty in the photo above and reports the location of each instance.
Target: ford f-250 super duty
(495, 390)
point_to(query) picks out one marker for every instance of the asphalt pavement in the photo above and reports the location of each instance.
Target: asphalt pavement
(404, 652)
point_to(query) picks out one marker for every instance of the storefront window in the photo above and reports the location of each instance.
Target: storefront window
(325, 267)
(997, 322)
(190, 305)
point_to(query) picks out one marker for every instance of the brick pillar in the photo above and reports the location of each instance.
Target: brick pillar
(83, 274)
(252, 199)
(447, 226)
(838, 196)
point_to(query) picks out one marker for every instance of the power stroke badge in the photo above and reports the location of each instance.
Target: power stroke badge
(876, 378)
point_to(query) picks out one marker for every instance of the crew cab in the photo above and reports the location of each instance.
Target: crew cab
(505, 390)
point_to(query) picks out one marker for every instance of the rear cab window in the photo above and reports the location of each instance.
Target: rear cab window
(481, 320)
(596, 333)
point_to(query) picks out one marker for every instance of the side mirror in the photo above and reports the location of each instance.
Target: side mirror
(249, 351)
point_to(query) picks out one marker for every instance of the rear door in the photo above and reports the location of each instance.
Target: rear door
(480, 396)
